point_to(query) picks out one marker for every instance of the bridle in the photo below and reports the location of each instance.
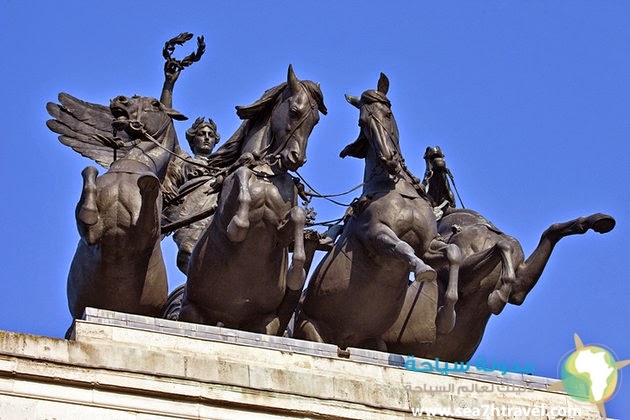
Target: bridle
(428, 175)
(274, 157)
(397, 156)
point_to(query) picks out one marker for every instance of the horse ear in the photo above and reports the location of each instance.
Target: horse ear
(383, 84)
(292, 80)
(353, 100)
(176, 115)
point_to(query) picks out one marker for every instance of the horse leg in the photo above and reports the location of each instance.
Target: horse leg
(307, 330)
(480, 265)
(147, 219)
(528, 272)
(440, 252)
(239, 225)
(376, 343)
(189, 312)
(499, 297)
(87, 210)
(155, 290)
(385, 240)
(296, 275)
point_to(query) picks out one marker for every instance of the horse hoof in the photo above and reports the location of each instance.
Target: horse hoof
(426, 274)
(88, 215)
(237, 230)
(602, 223)
(445, 321)
(149, 186)
(496, 302)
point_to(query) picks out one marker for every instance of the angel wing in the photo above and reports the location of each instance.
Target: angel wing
(87, 129)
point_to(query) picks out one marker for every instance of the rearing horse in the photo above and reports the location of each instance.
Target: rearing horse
(238, 275)
(118, 263)
(358, 290)
(494, 270)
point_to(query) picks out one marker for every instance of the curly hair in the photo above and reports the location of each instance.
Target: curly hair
(198, 125)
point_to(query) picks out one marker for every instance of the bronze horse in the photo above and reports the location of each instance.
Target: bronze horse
(494, 270)
(118, 263)
(238, 274)
(358, 289)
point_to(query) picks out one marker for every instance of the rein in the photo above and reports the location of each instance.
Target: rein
(398, 157)
(327, 197)
(452, 178)
(137, 126)
(313, 106)
(270, 159)
(149, 137)
(429, 174)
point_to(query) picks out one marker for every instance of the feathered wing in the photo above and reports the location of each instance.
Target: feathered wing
(79, 125)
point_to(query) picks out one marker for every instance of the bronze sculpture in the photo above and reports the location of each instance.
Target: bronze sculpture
(118, 264)
(236, 219)
(494, 270)
(357, 291)
(197, 188)
(238, 274)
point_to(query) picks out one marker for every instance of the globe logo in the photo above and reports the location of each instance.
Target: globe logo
(589, 374)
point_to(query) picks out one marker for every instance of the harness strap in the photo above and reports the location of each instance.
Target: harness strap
(298, 125)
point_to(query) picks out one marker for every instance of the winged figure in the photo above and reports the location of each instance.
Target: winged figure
(118, 263)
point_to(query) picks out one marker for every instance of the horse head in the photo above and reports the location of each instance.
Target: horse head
(148, 121)
(292, 120)
(434, 160)
(278, 125)
(140, 115)
(379, 131)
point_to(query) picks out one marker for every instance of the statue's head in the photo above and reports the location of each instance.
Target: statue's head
(202, 136)
(434, 158)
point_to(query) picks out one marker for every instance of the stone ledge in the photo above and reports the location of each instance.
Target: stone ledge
(217, 334)
(125, 366)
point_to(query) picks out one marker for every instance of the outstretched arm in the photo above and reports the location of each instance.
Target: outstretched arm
(173, 67)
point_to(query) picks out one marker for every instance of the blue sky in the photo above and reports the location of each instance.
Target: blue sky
(530, 101)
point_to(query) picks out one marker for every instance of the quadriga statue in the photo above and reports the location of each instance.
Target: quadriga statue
(494, 271)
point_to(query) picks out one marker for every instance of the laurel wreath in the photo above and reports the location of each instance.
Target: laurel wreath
(181, 39)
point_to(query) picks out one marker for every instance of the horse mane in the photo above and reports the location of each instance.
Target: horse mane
(316, 93)
(254, 115)
(357, 148)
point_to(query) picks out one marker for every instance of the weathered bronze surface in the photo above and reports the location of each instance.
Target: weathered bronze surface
(241, 235)
(118, 264)
(494, 270)
(197, 186)
(357, 291)
(238, 274)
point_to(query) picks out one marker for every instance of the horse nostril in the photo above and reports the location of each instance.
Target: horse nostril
(293, 156)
